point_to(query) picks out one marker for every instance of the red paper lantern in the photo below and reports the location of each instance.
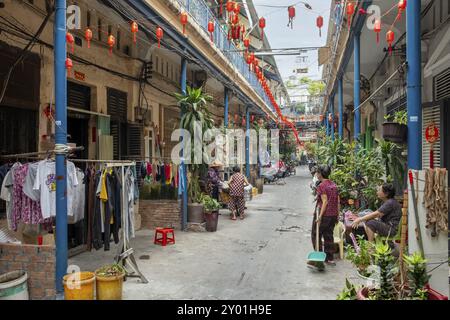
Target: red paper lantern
(401, 8)
(253, 118)
(184, 20)
(377, 29)
(319, 24)
(237, 8)
(69, 65)
(88, 37)
(211, 28)
(390, 38)
(262, 25)
(350, 12)
(134, 30)
(252, 57)
(242, 32)
(159, 35)
(247, 43)
(291, 12)
(235, 19)
(70, 40)
(111, 43)
(221, 7)
(243, 121)
(230, 6)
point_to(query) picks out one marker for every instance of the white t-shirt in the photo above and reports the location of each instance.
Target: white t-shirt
(46, 183)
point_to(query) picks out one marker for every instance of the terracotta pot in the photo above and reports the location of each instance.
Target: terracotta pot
(395, 132)
(212, 219)
(363, 294)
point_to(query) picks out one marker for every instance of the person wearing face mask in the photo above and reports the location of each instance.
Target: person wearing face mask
(327, 213)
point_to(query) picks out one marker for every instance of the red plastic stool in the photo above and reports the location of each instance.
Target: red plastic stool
(164, 239)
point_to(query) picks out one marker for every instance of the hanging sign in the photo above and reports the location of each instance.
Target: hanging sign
(432, 136)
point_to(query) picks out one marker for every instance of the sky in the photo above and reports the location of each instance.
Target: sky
(304, 33)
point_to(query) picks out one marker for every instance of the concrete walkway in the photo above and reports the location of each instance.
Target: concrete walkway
(262, 257)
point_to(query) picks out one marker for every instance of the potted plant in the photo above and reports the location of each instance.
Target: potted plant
(395, 129)
(211, 210)
(195, 206)
(195, 111)
(350, 292)
(361, 258)
(109, 282)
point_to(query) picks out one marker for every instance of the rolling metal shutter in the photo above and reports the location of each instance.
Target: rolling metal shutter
(431, 114)
(134, 140)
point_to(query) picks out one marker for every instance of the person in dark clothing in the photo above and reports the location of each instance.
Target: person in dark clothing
(213, 180)
(386, 219)
(327, 213)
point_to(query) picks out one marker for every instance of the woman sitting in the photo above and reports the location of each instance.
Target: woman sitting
(386, 219)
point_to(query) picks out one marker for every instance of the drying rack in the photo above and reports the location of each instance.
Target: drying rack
(125, 253)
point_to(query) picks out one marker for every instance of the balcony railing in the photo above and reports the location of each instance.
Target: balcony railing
(202, 14)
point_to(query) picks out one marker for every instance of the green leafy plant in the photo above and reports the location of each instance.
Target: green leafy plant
(400, 117)
(388, 272)
(361, 259)
(194, 190)
(210, 204)
(394, 162)
(349, 292)
(113, 270)
(417, 275)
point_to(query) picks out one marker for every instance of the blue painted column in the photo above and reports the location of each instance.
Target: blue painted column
(61, 142)
(247, 142)
(326, 123)
(332, 118)
(185, 192)
(414, 84)
(226, 107)
(357, 84)
(341, 108)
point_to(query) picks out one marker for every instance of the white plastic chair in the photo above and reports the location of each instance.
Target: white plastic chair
(339, 236)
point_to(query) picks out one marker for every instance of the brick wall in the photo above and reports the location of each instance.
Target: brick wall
(38, 261)
(160, 213)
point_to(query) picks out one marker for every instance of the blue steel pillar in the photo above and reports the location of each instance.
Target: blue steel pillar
(414, 84)
(357, 84)
(60, 142)
(226, 107)
(341, 108)
(247, 142)
(326, 123)
(185, 192)
(332, 117)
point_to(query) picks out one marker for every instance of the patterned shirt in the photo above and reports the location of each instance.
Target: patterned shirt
(237, 185)
(330, 189)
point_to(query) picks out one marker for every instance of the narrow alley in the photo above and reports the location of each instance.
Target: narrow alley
(262, 257)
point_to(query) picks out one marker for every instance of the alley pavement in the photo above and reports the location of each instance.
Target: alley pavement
(261, 257)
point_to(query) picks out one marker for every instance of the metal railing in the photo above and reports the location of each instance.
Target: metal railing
(202, 14)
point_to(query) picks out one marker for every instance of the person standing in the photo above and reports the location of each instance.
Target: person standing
(327, 213)
(213, 180)
(237, 184)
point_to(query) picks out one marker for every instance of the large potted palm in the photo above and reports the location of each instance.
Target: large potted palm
(195, 113)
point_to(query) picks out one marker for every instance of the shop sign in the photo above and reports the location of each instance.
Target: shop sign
(80, 76)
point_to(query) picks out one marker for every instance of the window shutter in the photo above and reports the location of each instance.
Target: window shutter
(115, 132)
(430, 115)
(134, 140)
(78, 96)
(117, 104)
(442, 85)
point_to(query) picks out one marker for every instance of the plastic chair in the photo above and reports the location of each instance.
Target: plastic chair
(394, 238)
(339, 236)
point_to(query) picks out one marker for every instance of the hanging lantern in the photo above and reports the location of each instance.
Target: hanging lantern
(221, 7)
(184, 20)
(111, 43)
(291, 12)
(390, 38)
(350, 12)
(262, 25)
(134, 30)
(242, 32)
(237, 8)
(401, 8)
(230, 6)
(377, 29)
(69, 65)
(243, 121)
(319, 24)
(211, 28)
(247, 43)
(253, 118)
(70, 40)
(252, 57)
(235, 19)
(159, 35)
(88, 37)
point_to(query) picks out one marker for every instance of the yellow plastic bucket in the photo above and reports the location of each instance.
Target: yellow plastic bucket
(79, 286)
(109, 288)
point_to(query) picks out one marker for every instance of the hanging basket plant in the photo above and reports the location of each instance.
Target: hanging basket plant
(395, 129)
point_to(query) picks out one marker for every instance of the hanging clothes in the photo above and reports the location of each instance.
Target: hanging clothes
(77, 212)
